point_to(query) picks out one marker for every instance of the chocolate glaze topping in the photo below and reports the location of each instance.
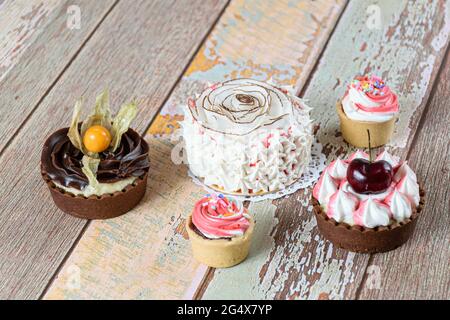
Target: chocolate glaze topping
(62, 161)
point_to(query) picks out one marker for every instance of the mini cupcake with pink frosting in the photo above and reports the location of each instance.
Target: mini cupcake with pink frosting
(368, 104)
(367, 206)
(220, 230)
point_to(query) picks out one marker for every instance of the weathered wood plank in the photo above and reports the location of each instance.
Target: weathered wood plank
(112, 264)
(21, 22)
(138, 51)
(419, 270)
(42, 61)
(406, 48)
(157, 263)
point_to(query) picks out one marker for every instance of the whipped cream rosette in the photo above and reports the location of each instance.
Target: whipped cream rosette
(247, 137)
(220, 230)
(368, 104)
(370, 99)
(219, 217)
(367, 222)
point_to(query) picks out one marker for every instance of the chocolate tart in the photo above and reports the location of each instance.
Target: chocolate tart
(366, 240)
(105, 206)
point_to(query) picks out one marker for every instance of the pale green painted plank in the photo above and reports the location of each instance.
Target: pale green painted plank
(139, 51)
(406, 48)
(241, 44)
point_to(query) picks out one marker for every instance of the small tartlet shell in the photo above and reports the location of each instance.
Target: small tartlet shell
(355, 132)
(367, 240)
(220, 253)
(102, 207)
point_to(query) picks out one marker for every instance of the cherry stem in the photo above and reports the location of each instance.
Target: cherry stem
(370, 147)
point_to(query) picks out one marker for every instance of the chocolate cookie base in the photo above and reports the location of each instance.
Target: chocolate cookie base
(102, 207)
(366, 240)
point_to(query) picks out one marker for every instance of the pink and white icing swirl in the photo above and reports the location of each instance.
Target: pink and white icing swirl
(342, 203)
(338, 169)
(386, 156)
(372, 213)
(399, 205)
(404, 170)
(368, 98)
(409, 187)
(358, 155)
(325, 188)
(341, 206)
(217, 216)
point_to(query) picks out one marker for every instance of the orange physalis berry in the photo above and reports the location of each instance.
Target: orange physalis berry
(97, 139)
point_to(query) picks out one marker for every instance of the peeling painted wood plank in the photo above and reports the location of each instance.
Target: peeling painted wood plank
(43, 55)
(407, 49)
(138, 51)
(21, 21)
(419, 270)
(294, 262)
(242, 44)
(139, 255)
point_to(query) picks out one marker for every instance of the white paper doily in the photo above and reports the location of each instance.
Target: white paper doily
(311, 175)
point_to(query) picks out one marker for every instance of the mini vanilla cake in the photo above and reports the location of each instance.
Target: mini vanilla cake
(247, 137)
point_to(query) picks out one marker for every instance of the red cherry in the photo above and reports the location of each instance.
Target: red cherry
(369, 177)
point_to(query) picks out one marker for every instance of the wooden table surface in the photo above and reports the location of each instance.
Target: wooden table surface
(163, 51)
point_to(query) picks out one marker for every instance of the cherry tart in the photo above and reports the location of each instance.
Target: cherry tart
(367, 206)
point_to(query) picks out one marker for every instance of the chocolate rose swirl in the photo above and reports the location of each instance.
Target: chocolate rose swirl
(240, 106)
(62, 161)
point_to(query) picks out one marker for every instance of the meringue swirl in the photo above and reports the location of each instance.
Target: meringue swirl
(63, 162)
(370, 99)
(217, 216)
(372, 213)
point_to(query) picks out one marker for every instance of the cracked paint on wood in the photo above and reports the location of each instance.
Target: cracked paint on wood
(43, 54)
(106, 254)
(426, 274)
(21, 21)
(243, 45)
(33, 250)
(146, 255)
(407, 50)
(143, 254)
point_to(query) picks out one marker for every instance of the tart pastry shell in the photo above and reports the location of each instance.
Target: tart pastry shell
(102, 207)
(367, 240)
(219, 253)
(355, 132)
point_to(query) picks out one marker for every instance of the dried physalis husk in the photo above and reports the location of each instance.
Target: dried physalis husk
(101, 115)
(90, 166)
(122, 122)
(74, 133)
